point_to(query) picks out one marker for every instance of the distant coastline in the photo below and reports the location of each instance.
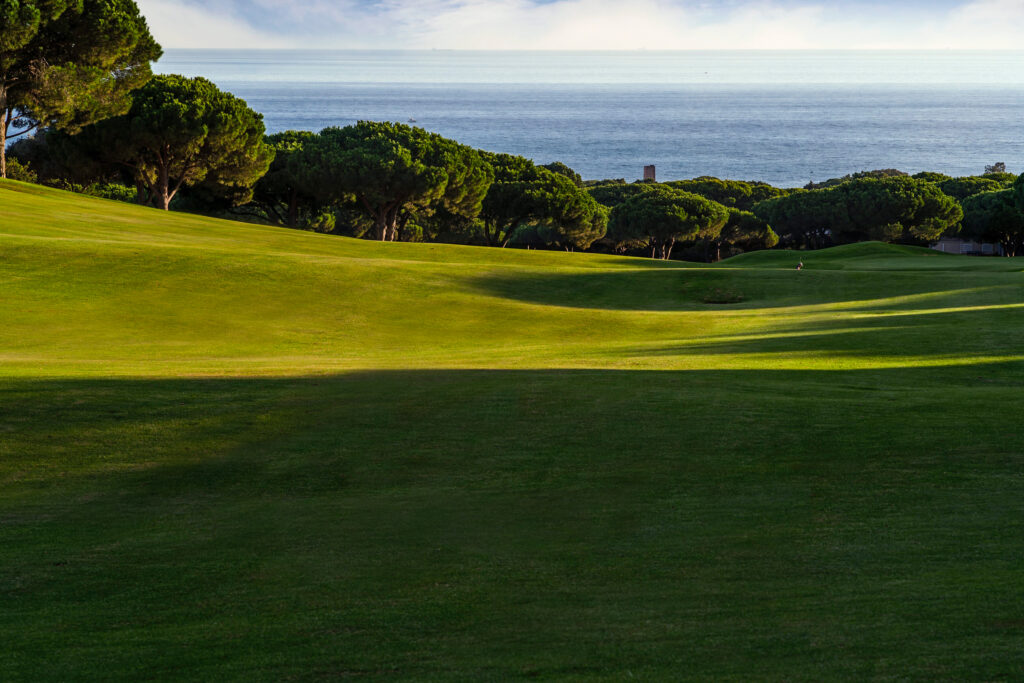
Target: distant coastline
(783, 117)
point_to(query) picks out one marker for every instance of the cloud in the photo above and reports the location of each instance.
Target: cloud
(587, 24)
(981, 24)
(176, 24)
(612, 25)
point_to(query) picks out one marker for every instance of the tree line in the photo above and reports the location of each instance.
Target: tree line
(892, 206)
(76, 87)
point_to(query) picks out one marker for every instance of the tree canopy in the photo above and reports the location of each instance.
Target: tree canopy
(562, 169)
(281, 195)
(1003, 177)
(663, 216)
(801, 219)
(962, 188)
(394, 172)
(995, 217)
(185, 132)
(613, 194)
(745, 232)
(736, 194)
(832, 182)
(524, 194)
(890, 209)
(69, 63)
(931, 177)
(1018, 192)
(893, 209)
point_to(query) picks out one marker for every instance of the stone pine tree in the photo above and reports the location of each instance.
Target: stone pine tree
(889, 209)
(562, 169)
(567, 214)
(996, 217)
(393, 172)
(183, 132)
(281, 195)
(895, 209)
(613, 194)
(801, 219)
(734, 194)
(962, 188)
(68, 63)
(662, 217)
(743, 231)
(524, 194)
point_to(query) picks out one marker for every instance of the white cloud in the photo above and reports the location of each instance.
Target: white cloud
(981, 24)
(604, 24)
(176, 24)
(582, 24)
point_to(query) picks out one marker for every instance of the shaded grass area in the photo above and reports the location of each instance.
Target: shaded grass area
(871, 256)
(687, 289)
(237, 452)
(470, 524)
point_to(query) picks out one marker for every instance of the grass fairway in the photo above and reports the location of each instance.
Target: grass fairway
(235, 452)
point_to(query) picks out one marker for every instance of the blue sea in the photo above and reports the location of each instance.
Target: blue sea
(782, 117)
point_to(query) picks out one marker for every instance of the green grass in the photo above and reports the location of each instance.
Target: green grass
(236, 452)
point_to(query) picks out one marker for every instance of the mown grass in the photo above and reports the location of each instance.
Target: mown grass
(233, 452)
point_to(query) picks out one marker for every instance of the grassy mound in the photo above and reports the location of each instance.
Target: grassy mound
(230, 451)
(869, 256)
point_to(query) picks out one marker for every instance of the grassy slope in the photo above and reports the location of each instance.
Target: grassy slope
(233, 451)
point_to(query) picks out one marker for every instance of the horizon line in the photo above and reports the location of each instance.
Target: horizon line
(599, 50)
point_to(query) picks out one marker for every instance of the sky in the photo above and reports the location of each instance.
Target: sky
(588, 24)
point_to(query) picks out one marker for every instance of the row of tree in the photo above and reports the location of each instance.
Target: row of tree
(894, 207)
(77, 73)
(398, 182)
(385, 180)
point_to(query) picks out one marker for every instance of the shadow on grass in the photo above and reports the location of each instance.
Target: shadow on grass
(446, 524)
(959, 335)
(689, 288)
(383, 424)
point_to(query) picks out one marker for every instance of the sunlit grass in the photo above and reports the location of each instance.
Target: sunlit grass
(240, 452)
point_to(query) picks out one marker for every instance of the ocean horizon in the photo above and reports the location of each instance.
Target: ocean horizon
(786, 118)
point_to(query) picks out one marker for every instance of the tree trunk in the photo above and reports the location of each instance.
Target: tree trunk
(380, 224)
(401, 222)
(5, 117)
(392, 226)
(3, 145)
(162, 192)
(141, 193)
(293, 210)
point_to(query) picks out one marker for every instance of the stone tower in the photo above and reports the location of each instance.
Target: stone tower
(650, 174)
